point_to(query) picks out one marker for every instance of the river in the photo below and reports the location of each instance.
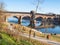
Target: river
(55, 29)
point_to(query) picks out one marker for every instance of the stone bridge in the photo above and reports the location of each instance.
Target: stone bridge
(21, 15)
(27, 14)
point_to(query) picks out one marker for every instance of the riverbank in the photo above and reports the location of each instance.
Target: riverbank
(9, 39)
(24, 29)
(15, 37)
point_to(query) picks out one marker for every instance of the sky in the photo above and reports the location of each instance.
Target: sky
(45, 6)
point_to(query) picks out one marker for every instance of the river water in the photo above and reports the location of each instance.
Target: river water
(55, 29)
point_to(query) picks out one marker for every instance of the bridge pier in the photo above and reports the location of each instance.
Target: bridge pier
(32, 24)
(19, 20)
(44, 22)
(32, 20)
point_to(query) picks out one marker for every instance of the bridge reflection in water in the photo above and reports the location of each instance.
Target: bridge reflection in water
(24, 22)
(51, 29)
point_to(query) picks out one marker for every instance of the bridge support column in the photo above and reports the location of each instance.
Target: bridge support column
(44, 22)
(5, 19)
(32, 23)
(19, 20)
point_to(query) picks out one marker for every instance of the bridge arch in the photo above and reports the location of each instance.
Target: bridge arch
(12, 19)
(26, 17)
(55, 19)
(15, 17)
(49, 19)
(39, 19)
(25, 20)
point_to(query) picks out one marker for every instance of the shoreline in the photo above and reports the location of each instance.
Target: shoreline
(34, 29)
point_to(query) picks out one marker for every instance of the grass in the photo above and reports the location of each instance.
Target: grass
(24, 29)
(9, 39)
(52, 37)
(55, 38)
(34, 42)
(6, 39)
(23, 40)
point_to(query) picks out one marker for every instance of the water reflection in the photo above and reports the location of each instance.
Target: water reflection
(25, 22)
(12, 20)
(38, 23)
(55, 29)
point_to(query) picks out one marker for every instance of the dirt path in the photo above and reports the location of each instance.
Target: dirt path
(37, 38)
(42, 39)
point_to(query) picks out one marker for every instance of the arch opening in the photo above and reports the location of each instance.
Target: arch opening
(26, 20)
(38, 21)
(12, 19)
(49, 20)
(55, 21)
(15, 17)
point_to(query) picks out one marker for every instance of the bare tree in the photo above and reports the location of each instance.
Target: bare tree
(37, 4)
(1, 6)
(1, 11)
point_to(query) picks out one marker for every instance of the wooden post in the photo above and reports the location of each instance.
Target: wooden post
(29, 34)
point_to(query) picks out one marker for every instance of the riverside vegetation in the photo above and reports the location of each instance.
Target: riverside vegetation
(7, 38)
(37, 33)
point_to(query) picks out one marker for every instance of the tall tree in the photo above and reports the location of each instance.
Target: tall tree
(1, 11)
(37, 4)
(1, 6)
